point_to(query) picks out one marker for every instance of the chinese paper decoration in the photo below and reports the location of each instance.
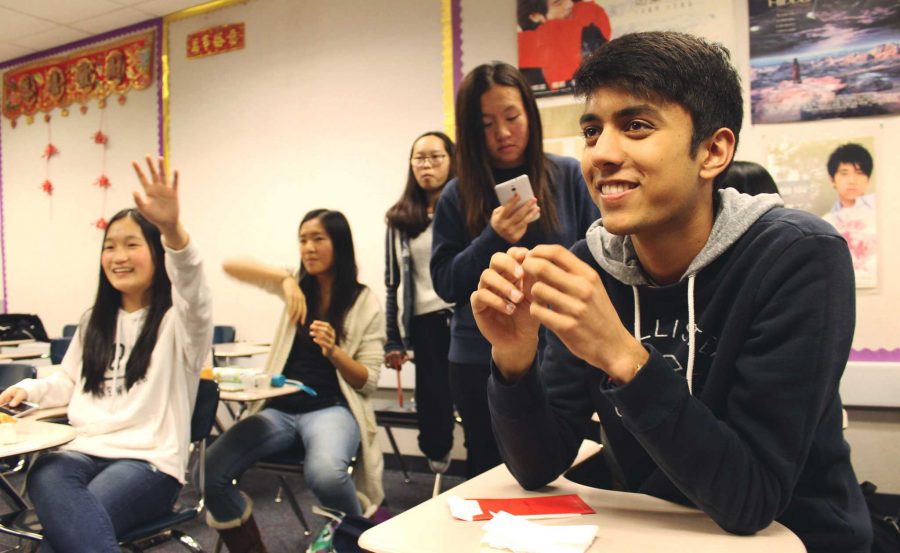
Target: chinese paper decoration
(50, 151)
(215, 40)
(93, 73)
(101, 139)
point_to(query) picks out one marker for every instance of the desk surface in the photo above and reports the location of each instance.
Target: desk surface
(256, 395)
(239, 349)
(627, 522)
(11, 343)
(37, 435)
(22, 356)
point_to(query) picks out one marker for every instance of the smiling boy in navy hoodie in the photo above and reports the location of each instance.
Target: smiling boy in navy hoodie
(708, 329)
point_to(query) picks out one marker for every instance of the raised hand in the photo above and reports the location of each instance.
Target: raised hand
(501, 309)
(510, 220)
(159, 201)
(570, 300)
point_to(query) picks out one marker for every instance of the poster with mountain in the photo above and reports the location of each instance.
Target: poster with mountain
(821, 59)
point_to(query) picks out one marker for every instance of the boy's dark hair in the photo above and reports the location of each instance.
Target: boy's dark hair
(524, 9)
(854, 154)
(410, 213)
(671, 67)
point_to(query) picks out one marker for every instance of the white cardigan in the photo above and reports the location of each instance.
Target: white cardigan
(364, 342)
(151, 421)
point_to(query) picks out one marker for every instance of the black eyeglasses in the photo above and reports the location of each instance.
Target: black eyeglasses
(435, 159)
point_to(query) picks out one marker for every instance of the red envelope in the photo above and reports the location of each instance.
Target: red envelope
(543, 506)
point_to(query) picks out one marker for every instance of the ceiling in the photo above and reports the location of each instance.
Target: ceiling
(28, 26)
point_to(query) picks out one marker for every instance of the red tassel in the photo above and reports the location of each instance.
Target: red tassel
(47, 187)
(50, 151)
(100, 138)
(102, 182)
(101, 223)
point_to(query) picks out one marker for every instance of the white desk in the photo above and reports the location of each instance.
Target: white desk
(628, 522)
(13, 343)
(239, 349)
(21, 356)
(37, 435)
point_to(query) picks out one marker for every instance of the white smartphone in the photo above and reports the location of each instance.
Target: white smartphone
(521, 185)
(19, 410)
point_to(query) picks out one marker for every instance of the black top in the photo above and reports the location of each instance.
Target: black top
(307, 364)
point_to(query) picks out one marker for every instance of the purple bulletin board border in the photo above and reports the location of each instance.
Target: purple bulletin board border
(157, 25)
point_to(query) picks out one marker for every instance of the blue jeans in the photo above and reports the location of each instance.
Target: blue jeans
(84, 502)
(326, 440)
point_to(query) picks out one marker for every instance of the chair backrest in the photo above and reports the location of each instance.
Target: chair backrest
(204, 409)
(69, 330)
(223, 334)
(58, 349)
(12, 373)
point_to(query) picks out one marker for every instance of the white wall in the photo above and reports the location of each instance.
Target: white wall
(319, 110)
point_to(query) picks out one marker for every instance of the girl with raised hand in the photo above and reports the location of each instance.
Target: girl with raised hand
(499, 138)
(330, 338)
(417, 318)
(130, 378)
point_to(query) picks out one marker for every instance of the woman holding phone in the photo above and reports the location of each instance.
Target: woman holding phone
(499, 138)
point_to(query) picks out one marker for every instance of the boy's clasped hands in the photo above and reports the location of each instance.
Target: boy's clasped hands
(548, 285)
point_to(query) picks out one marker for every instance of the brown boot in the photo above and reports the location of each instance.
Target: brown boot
(243, 539)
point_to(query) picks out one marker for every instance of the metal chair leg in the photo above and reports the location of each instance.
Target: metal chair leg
(396, 449)
(438, 478)
(292, 500)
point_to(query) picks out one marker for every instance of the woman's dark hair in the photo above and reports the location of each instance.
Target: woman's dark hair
(346, 287)
(476, 180)
(410, 213)
(749, 178)
(100, 348)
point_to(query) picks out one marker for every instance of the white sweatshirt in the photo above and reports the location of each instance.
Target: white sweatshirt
(151, 421)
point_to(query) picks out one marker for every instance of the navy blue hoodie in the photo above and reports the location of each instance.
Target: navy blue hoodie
(740, 417)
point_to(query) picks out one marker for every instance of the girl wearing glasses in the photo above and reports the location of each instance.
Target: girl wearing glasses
(417, 317)
(499, 134)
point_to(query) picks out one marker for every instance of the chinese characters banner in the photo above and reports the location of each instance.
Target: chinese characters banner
(216, 40)
(76, 78)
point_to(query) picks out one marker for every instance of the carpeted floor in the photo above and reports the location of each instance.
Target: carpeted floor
(282, 532)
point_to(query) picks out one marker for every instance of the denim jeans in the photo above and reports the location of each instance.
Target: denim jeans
(84, 502)
(326, 440)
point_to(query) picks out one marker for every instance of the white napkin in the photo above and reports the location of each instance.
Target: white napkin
(506, 531)
(463, 509)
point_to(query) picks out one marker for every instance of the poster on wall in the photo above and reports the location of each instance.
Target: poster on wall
(835, 179)
(555, 35)
(821, 59)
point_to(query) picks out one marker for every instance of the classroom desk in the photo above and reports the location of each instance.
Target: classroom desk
(35, 436)
(245, 397)
(627, 522)
(238, 349)
(22, 356)
(13, 343)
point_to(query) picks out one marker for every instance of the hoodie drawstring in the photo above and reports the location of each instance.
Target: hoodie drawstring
(692, 329)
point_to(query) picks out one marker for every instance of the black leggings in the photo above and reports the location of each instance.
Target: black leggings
(431, 344)
(468, 383)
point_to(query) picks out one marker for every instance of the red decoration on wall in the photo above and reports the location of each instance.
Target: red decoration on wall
(100, 138)
(50, 151)
(101, 223)
(114, 68)
(102, 182)
(215, 40)
(47, 187)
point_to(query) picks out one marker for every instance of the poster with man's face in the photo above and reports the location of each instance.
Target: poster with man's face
(835, 179)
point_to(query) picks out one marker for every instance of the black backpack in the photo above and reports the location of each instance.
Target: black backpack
(885, 511)
(18, 326)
